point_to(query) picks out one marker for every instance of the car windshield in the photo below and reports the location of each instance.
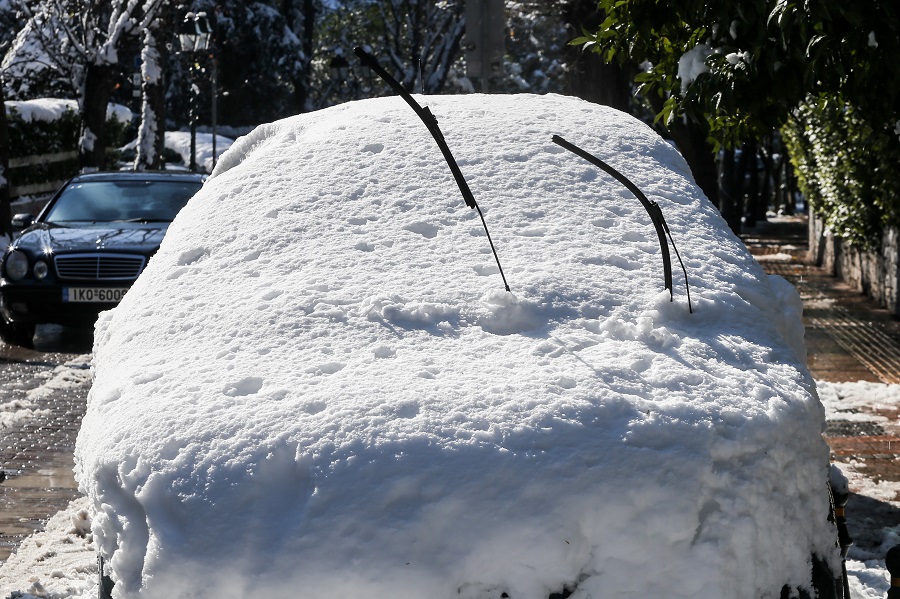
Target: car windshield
(121, 201)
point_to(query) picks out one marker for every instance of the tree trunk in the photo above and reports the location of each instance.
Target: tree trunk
(693, 142)
(95, 98)
(151, 135)
(751, 179)
(729, 202)
(302, 22)
(5, 209)
(589, 77)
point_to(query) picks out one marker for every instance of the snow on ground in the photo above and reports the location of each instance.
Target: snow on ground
(873, 403)
(359, 408)
(71, 374)
(180, 143)
(59, 562)
(779, 257)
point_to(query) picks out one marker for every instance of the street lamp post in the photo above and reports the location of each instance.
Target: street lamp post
(193, 37)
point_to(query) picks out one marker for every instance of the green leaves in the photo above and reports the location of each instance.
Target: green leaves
(767, 55)
(834, 63)
(845, 167)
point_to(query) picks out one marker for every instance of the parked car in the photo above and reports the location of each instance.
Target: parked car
(86, 247)
(322, 386)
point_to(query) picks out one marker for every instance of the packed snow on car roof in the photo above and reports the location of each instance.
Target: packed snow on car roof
(320, 383)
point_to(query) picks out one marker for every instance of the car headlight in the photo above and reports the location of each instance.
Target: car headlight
(40, 270)
(16, 265)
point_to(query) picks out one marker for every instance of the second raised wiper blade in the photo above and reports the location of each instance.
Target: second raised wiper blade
(653, 209)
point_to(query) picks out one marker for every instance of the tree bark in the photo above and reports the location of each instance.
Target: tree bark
(729, 202)
(302, 22)
(151, 136)
(95, 98)
(589, 76)
(751, 180)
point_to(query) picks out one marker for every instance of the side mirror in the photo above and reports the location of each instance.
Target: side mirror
(20, 221)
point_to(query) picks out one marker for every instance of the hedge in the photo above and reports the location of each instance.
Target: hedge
(52, 132)
(846, 167)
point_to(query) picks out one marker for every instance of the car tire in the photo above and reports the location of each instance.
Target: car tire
(105, 584)
(18, 333)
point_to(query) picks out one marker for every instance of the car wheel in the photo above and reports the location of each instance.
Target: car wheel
(105, 583)
(18, 333)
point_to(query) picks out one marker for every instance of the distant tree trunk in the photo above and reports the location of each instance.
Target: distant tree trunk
(301, 20)
(751, 168)
(415, 48)
(589, 77)
(729, 204)
(95, 98)
(308, 40)
(5, 210)
(693, 142)
(151, 135)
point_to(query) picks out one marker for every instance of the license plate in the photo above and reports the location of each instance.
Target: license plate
(93, 294)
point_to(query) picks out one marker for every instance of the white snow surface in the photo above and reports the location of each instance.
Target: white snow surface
(15, 412)
(319, 382)
(180, 142)
(51, 109)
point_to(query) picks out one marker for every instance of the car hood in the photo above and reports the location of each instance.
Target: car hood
(130, 237)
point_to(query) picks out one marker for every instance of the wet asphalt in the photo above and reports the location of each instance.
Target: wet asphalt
(36, 455)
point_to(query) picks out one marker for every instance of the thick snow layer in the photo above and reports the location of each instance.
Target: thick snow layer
(319, 382)
(53, 563)
(51, 109)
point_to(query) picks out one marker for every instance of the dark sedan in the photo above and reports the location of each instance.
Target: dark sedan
(86, 248)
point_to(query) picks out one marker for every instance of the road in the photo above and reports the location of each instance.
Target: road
(43, 395)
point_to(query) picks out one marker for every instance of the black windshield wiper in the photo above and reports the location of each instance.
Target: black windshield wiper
(653, 209)
(432, 125)
(142, 220)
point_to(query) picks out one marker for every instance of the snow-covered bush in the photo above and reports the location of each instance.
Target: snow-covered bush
(50, 126)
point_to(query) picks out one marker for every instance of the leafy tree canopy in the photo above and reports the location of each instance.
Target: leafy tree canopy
(745, 66)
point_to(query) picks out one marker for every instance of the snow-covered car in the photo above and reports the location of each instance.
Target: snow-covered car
(86, 247)
(320, 386)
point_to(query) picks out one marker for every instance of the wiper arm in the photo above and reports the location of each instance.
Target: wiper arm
(653, 209)
(432, 125)
(142, 220)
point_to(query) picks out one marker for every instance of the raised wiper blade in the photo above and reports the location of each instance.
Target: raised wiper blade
(432, 125)
(653, 209)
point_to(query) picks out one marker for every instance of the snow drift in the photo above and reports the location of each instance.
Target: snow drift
(320, 386)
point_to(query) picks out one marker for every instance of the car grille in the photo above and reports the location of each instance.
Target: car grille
(99, 267)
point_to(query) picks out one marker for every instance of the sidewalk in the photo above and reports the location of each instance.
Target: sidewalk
(848, 338)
